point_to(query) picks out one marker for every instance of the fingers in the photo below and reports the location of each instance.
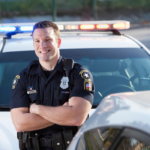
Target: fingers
(66, 104)
(32, 108)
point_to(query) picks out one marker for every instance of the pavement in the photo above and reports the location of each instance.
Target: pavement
(139, 25)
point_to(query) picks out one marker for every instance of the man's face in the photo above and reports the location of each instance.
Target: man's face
(46, 44)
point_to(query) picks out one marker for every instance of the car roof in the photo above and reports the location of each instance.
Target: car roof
(73, 40)
(131, 109)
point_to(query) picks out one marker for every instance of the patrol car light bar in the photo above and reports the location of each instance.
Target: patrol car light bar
(26, 28)
(87, 27)
(102, 26)
(7, 29)
(121, 25)
(98, 25)
(117, 26)
(69, 26)
(30, 28)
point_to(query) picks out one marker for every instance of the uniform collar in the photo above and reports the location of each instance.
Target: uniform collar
(35, 67)
(59, 65)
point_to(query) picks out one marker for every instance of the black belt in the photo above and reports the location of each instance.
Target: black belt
(59, 140)
(32, 140)
(46, 142)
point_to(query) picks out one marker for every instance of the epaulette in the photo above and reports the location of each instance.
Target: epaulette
(78, 66)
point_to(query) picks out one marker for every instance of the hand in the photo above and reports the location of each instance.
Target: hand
(66, 104)
(33, 108)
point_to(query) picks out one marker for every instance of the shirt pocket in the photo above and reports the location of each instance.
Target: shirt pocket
(61, 97)
(34, 98)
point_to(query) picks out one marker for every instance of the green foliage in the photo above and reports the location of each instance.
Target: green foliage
(132, 4)
(45, 6)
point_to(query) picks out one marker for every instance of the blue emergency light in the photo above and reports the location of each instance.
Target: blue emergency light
(26, 28)
(7, 28)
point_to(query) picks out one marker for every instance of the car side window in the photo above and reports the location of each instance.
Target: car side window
(98, 139)
(127, 65)
(132, 144)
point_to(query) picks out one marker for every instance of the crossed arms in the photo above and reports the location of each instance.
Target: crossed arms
(72, 113)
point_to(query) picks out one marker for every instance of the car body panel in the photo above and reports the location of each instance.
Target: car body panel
(8, 134)
(73, 42)
(123, 109)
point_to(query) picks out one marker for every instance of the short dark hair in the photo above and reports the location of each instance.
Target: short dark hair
(46, 24)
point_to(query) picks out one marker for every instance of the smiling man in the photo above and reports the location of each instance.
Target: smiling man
(47, 106)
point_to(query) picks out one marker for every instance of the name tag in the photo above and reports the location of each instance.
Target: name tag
(31, 92)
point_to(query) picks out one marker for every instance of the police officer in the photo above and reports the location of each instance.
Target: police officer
(46, 102)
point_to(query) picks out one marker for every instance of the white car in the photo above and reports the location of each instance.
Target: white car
(120, 122)
(118, 63)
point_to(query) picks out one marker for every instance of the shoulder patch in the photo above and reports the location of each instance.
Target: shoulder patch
(88, 86)
(85, 75)
(15, 81)
(87, 81)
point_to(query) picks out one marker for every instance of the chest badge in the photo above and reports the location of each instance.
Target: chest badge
(64, 83)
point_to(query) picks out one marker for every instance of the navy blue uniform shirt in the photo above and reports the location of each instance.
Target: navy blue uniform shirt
(32, 85)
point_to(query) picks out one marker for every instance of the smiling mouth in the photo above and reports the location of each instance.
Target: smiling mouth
(44, 52)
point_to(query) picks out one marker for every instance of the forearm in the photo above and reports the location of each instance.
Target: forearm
(70, 114)
(30, 122)
(59, 115)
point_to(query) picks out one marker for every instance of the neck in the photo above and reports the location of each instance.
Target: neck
(49, 65)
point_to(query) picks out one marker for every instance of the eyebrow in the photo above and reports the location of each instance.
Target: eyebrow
(45, 38)
(48, 37)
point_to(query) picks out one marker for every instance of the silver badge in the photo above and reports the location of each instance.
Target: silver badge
(64, 83)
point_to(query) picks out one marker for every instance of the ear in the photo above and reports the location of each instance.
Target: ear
(59, 43)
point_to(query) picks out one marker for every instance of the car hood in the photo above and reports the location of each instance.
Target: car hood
(8, 134)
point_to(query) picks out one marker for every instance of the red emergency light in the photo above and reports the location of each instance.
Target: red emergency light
(103, 26)
(87, 26)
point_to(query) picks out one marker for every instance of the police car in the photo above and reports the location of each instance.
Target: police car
(118, 63)
(120, 122)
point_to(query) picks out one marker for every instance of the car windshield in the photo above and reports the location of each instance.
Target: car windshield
(114, 70)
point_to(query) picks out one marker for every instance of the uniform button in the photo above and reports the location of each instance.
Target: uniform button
(46, 98)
